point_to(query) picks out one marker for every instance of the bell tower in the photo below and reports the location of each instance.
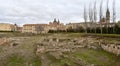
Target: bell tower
(108, 16)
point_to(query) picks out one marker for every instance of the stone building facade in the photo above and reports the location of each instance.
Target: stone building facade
(35, 28)
(19, 29)
(43, 28)
(78, 25)
(104, 21)
(56, 25)
(7, 27)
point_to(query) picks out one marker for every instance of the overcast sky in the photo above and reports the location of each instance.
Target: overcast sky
(44, 11)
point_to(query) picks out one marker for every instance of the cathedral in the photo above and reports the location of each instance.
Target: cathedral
(56, 25)
(107, 19)
(55, 22)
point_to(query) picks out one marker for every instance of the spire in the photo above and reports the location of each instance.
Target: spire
(107, 13)
(55, 20)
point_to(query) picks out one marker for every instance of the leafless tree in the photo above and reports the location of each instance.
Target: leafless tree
(85, 18)
(89, 13)
(95, 16)
(114, 15)
(101, 15)
(90, 16)
(107, 18)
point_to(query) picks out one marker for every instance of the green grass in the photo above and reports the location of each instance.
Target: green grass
(1, 49)
(52, 58)
(66, 60)
(99, 57)
(17, 34)
(74, 34)
(59, 62)
(17, 60)
(36, 62)
(104, 35)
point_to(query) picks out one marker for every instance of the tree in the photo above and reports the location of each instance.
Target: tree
(70, 29)
(101, 16)
(85, 18)
(114, 15)
(91, 17)
(107, 17)
(95, 16)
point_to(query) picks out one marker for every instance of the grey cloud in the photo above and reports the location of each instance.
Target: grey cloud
(43, 11)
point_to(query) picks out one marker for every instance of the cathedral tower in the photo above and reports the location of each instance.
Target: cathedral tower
(107, 16)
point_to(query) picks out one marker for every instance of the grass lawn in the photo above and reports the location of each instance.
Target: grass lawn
(99, 57)
(104, 35)
(16, 60)
(91, 56)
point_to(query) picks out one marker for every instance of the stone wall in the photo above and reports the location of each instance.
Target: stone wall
(58, 45)
(63, 44)
(4, 41)
(113, 48)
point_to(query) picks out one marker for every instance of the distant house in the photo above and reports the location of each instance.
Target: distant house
(35, 28)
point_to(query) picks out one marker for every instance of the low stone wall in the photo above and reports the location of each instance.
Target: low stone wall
(4, 41)
(63, 45)
(113, 48)
(12, 41)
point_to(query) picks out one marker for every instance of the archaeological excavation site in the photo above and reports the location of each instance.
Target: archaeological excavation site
(57, 49)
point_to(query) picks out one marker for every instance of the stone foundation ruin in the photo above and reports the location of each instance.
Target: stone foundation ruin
(113, 48)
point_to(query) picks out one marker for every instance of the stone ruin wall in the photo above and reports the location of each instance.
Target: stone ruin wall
(78, 43)
(55, 44)
(113, 48)
(4, 41)
(12, 40)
